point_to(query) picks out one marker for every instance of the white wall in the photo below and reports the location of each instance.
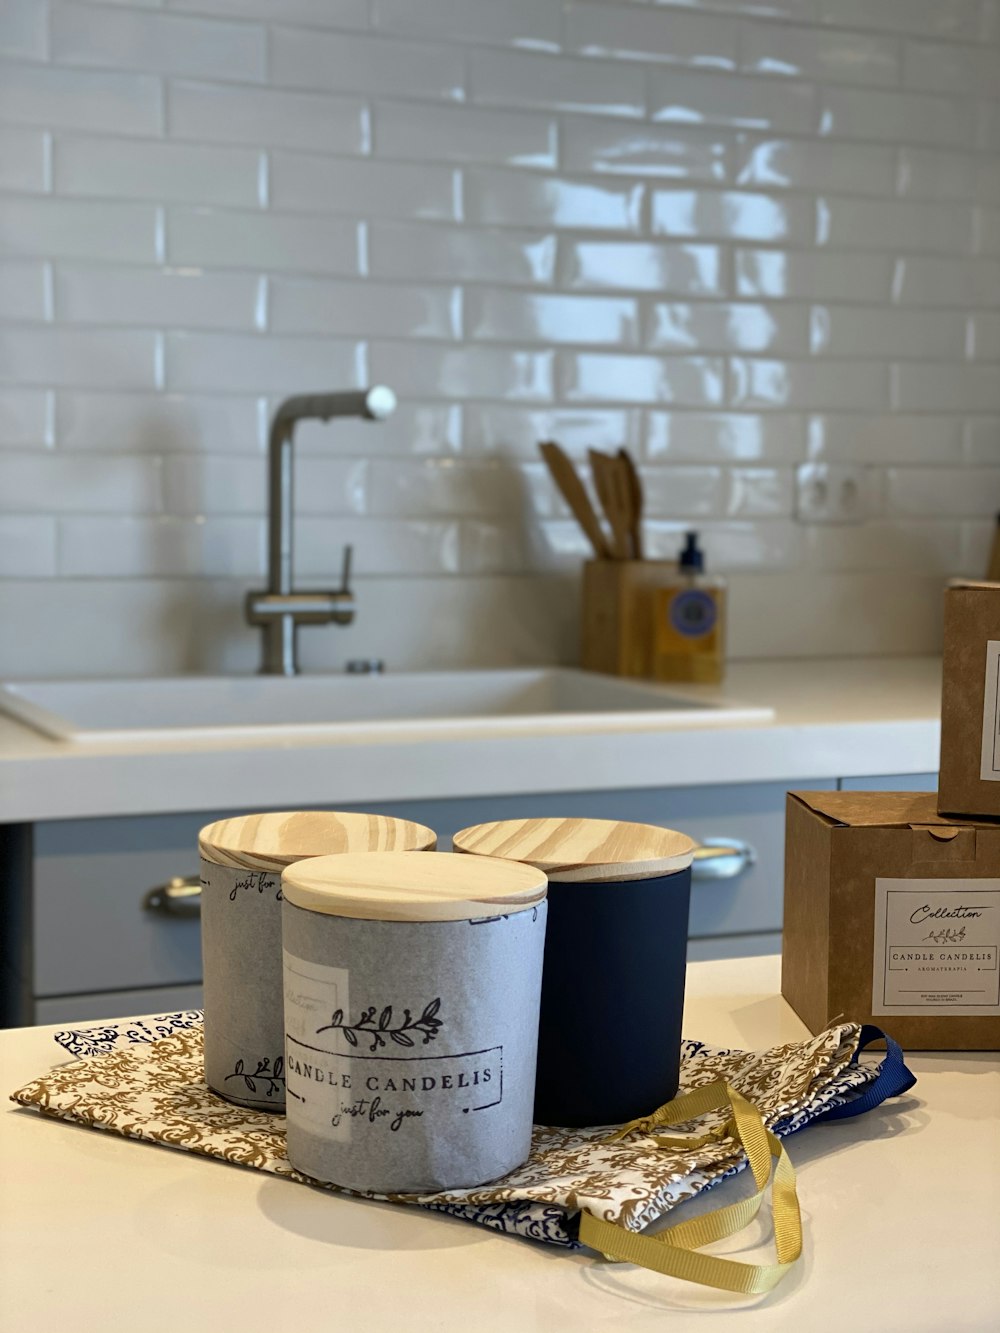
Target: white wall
(735, 236)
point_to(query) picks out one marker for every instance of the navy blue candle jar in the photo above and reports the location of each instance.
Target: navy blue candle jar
(615, 960)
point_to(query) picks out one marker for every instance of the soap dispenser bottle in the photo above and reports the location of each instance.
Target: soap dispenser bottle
(689, 627)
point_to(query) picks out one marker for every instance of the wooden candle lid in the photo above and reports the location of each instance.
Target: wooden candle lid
(385, 886)
(582, 850)
(274, 840)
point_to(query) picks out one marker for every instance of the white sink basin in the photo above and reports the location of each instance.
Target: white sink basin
(192, 707)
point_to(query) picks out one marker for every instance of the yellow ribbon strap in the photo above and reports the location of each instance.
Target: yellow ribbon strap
(674, 1252)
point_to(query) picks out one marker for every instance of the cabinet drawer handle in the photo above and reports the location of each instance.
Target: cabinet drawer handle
(180, 896)
(722, 858)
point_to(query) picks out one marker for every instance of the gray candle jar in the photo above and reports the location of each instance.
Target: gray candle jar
(241, 863)
(411, 1018)
(615, 961)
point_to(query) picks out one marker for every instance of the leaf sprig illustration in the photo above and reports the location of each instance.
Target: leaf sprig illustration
(271, 1077)
(383, 1028)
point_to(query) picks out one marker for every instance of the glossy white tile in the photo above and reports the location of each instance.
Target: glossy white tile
(443, 487)
(960, 20)
(25, 418)
(977, 544)
(732, 546)
(204, 484)
(80, 99)
(988, 127)
(680, 37)
(51, 483)
(732, 100)
(23, 289)
(643, 150)
(810, 164)
(963, 70)
(719, 327)
(464, 134)
(362, 309)
(309, 183)
(555, 83)
(164, 546)
(414, 428)
(686, 381)
(532, 23)
(27, 546)
(982, 442)
(125, 38)
(158, 423)
(724, 437)
(933, 386)
(687, 270)
(817, 53)
(314, 13)
(924, 547)
(936, 493)
(344, 62)
(804, 275)
(398, 250)
(760, 492)
(857, 330)
(156, 170)
(684, 492)
(498, 315)
(934, 173)
(804, 385)
(987, 231)
(23, 156)
(896, 117)
(165, 297)
(521, 198)
(394, 547)
(290, 243)
(24, 30)
(233, 114)
(895, 437)
(465, 372)
(890, 224)
(73, 228)
(946, 281)
(99, 358)
(494, 428)
(733, 215)
(248, 363)
(984, 335)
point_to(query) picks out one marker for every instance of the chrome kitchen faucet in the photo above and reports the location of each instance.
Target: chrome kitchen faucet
(280, 610)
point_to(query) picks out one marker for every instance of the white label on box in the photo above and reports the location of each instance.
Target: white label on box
(936, 947)
(989, 769)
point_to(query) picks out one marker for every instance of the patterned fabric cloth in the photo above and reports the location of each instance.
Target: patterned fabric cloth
(144, 1080)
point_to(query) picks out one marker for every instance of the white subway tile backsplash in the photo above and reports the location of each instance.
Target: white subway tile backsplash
(859, 330)
(943, 493)
(733, 215)
(25, 418)
(398, 250)
(933, 386)
(934, 173)
(684, 492)
(161, 547)
(212, 362)
(982, 441)
(680, 37)
(533, 23)
(730, 547)
(99, 358)
(157, 423)
(23, 156)
(176, 298)
(924, 547)
(73, 228)
(80, 99)
(987, 231)
(891, 224)
(686, 381)
(805, 275)
(720, 327)
(464, 134)
(815, 53)
(760, 492)
(946, 281)
(732, 100)
(804, 385)
(988, 127)
(492, 428)
(393, 547)
(362, 309)
(158, 43)
(23, 285)
(895, 117)
(643, 150)
(958, 20)
(314, 13)
(131, 169)
(300, 243)
(24, 30)
(466, 372)
(343, 62)
(810, 164)
(855, 437)
(724, 437)
(500, 315)
(309, 183)
(524, 199)
(205, 484)
(414, 428)
(54, 483)
(687, 270)
(963, 70)
(445, 487)
(984, 335)
(554, 83)
(228, 113)
(27, 546)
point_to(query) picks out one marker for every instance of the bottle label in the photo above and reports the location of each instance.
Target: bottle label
(989, 770)
(693, 613)
(936, 947)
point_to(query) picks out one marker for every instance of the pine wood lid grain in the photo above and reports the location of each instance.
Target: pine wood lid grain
(435, 886)
(274, 840)
(582, 850)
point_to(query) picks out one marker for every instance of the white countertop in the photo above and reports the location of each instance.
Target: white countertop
(832, 719)
(899, 1212)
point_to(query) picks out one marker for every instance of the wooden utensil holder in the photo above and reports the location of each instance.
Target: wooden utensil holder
(617, 620)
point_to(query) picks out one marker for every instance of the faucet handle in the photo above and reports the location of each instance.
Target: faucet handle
(345, 569)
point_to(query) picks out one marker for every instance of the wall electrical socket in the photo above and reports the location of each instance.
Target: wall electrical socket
(830, 493)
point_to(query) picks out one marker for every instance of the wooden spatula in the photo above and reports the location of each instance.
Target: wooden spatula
(573, 492)
(634, 483)
(612, 492)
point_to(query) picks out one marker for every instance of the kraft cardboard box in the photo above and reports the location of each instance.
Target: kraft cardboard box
(892, 917)
(969, 784)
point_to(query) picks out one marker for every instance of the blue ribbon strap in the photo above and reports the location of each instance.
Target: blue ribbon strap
(893, 1077)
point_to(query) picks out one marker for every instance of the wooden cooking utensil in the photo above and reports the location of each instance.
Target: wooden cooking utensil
(636, 501)
(612, 494)
(573, 492)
